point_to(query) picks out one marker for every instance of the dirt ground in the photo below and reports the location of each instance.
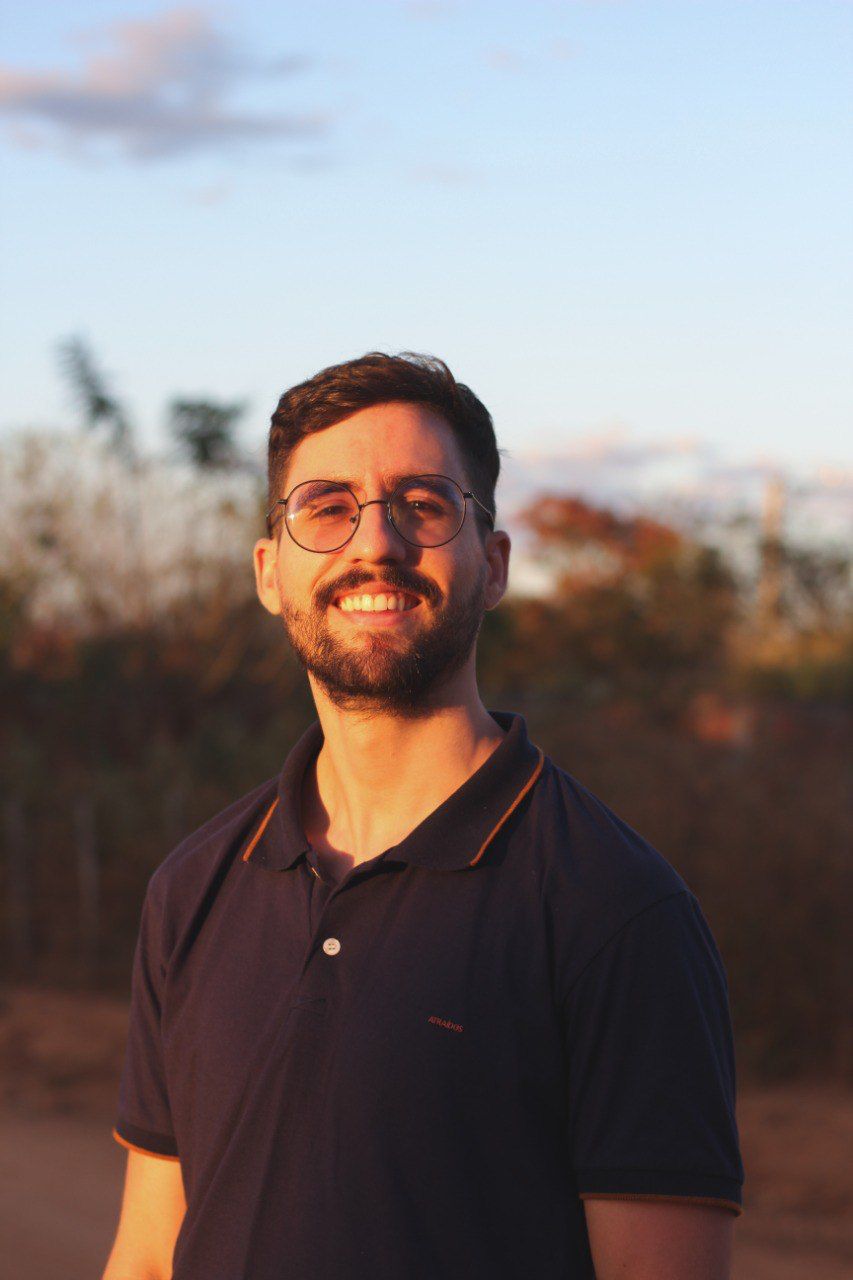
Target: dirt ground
(61, 1171)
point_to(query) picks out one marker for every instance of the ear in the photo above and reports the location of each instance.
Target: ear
(265, 557)
(498, 546)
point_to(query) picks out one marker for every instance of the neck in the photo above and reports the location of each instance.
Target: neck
(379, 775)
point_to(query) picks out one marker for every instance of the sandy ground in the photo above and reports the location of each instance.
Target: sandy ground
(61, 1171)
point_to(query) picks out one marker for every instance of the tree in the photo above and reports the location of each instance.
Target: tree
(204, 431)
(637, 606)
(99, 407)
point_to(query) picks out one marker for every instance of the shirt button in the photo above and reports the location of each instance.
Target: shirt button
(331, 946)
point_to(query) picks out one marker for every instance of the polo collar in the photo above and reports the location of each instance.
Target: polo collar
(453, 836)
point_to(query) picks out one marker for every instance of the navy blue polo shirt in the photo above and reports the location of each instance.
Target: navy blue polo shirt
(420, 1071)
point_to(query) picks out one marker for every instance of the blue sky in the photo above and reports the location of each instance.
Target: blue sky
(603, 215)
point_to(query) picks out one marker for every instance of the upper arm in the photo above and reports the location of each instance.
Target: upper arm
(152, 1210)
(153, 1203)
(144, 1117)
(651, 1073)
(659, 1240)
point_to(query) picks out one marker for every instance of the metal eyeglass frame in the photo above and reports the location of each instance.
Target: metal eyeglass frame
(386, 502)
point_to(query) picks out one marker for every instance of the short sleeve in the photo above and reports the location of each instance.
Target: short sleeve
(651, 1064)
(144, 1121)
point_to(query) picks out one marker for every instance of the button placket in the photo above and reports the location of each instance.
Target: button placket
(329, 916)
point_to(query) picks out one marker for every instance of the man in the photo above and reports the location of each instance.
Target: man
(421, 1006)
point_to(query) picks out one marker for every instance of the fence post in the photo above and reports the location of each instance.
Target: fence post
(19, 900)
(87, 878)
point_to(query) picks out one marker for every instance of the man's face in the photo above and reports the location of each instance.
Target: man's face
(382, 660)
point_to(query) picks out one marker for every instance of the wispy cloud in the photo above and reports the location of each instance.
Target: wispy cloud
(513, 60)
(429, 10)
(614, 446)
(442, 175)
(152, 88)
(563, 50)
(504, 59)
(683, 480)
(212, 194)
(675, 476)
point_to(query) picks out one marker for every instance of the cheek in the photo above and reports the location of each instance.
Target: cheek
(470, 580)
(294, 584)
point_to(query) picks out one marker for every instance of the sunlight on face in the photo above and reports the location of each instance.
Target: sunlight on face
(388, 662)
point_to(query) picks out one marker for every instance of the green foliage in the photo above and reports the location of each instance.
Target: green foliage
(205, 431)
(714, 728)
(99, 407)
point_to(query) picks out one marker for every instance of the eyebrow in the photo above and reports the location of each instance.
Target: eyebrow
(390, 478)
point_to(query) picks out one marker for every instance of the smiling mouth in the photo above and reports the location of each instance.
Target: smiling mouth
(378, 602)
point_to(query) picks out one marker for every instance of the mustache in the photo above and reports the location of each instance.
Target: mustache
(391, 577)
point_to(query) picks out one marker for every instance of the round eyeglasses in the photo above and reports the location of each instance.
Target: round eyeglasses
(426, 511)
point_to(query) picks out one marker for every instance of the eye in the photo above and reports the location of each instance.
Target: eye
(330, 510)
(322, 503)
(424, 505)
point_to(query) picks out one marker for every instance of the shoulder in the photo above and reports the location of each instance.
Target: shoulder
(205, 854)
(595, 851)
(597, 871)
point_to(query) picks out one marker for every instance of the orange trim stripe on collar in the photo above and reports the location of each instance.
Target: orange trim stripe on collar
(522, 793)
(261, 829)
(495, 829)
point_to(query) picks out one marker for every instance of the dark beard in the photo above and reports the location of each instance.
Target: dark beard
(375, 674)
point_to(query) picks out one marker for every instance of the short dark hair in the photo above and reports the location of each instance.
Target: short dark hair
(377, 378)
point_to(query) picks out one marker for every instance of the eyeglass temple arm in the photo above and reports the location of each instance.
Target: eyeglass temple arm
(468, 494)
(279, 502)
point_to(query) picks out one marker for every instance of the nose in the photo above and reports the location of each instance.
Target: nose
(375, 537)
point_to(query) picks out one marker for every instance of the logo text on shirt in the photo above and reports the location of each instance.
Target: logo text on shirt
(444, 1022)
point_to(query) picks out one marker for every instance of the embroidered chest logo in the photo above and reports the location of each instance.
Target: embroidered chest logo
(444, 1022)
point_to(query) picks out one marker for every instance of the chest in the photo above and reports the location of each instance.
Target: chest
(397, 993)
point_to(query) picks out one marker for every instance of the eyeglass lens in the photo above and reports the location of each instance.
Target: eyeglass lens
(426, 510)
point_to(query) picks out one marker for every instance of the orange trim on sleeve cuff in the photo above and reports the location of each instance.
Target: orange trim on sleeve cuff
(673, 1199)
(131, 1146)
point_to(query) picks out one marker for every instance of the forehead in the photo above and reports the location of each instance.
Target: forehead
(379, 444)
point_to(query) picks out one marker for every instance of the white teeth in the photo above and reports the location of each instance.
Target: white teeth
(379, 603)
